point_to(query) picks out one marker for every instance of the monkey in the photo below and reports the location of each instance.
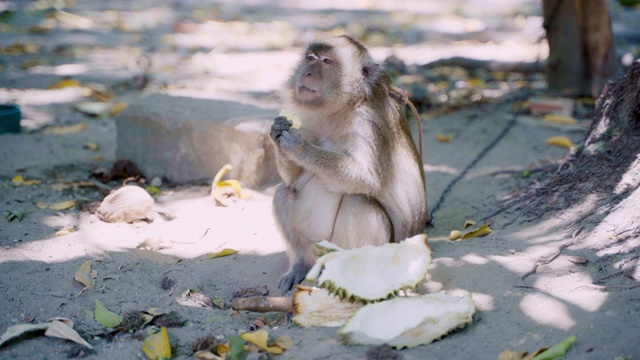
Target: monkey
(351, 174)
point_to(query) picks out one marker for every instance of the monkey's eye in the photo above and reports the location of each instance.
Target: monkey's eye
(327, 61)
(312, 57)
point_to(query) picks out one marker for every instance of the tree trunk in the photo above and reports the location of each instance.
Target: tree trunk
(581, 51)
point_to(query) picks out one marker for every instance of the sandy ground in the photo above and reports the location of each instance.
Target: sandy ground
(37, 267)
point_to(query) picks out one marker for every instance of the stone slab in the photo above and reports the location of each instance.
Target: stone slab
(184, 140)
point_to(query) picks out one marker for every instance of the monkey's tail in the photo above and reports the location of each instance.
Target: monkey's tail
(403, 96)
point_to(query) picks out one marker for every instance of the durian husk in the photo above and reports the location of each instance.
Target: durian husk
(317, 307)
(373, 273)
(408, 321)
(129, 203)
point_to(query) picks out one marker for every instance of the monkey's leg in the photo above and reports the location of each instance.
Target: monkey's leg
(304, 217)
(361, 221)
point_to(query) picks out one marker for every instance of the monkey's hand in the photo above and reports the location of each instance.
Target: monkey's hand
(288, 139)
(291, 141)
(294, 276)
(280, 124)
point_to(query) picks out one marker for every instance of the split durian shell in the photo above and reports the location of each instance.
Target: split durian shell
(129, 203)
(317, 307)
(372, 273)
(408, 321)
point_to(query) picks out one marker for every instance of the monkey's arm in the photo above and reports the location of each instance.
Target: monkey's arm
(358, 171)
(288, 170)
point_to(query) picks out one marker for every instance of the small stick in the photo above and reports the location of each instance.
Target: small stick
(263, 304)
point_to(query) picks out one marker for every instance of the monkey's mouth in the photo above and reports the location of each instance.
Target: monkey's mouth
(303, 88)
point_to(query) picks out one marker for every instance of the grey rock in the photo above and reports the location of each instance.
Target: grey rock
(184, 139)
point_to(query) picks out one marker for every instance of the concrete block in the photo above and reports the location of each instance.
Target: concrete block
(184, 139)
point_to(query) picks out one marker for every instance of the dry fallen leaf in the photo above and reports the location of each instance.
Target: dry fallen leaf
(561, 141)
(65, 83)
(86, 276)
(93, 146)
(63, 205)
(560, 119)
(19, 180)
(65, 231)
(56, 327)
(483, 230)
(224, 252)
(65, 130)
(469, 223)
(455, 234)
(156, 346)
(260, 339)
(443, 138)
(117, 108)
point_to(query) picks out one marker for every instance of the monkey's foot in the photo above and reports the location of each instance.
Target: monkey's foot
(294, 276)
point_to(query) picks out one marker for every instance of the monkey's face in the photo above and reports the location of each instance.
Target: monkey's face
(317, 80)
(336, 74)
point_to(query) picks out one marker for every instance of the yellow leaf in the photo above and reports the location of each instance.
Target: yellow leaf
(19, 180)
(63, 205)
(476, 81)
(42, 205)
(260, 338)
(469, 223)
(65, 83)
(455, 234)
(117, 108)
(560, 119)
(284, 341)
(65, 130)
(86, 276)
(483, 230)
(65, 231)
(223, 349)
(157, 346)
(443, 138)
(561, 141)
(511, 355)
(105, 316)
(93, 146)
(223, 253)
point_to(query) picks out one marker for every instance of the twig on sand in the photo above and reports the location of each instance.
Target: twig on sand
(545, 260)
(263, 304)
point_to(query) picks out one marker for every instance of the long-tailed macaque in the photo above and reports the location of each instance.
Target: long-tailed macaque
(351, 173)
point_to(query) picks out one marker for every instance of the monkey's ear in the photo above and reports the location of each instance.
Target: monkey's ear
(372, 73)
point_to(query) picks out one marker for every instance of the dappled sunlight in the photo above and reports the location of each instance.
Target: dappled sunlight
(517, 263)
(630, 179)
(569, 288)
(476, 259)
(199, 228)
(546, 310)
(552, 229)
(43, 97)
(61, 70)
(618, 224)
